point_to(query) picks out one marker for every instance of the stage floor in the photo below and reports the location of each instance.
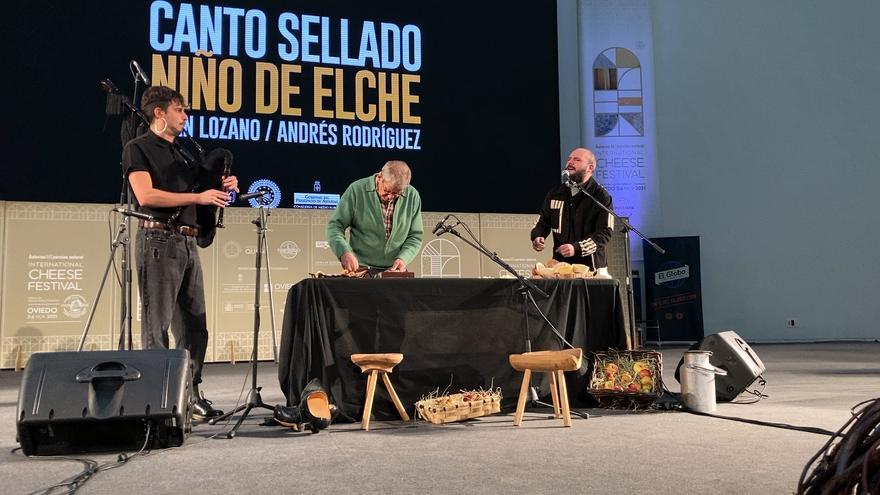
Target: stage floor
(612, 452)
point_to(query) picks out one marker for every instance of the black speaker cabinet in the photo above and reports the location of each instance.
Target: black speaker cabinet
(104, 400)
(733, 355)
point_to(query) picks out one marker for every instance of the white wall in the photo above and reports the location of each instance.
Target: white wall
(767, 123)
(767, 131)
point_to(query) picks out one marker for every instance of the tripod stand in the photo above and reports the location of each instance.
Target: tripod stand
(525, 288)
(254, 400)
(126, 203)
(121, 238)
(127, 199)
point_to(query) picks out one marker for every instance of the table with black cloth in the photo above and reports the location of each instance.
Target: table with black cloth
(454, 334)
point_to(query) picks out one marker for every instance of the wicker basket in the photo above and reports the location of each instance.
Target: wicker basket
(451, 408)
(626, 379)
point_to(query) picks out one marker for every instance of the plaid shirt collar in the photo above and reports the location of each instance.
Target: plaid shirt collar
(387, 208)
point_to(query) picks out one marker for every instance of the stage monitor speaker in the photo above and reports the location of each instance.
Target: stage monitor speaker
(733, 355)
(104, 400)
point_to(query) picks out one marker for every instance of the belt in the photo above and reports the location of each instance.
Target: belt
(180, 229)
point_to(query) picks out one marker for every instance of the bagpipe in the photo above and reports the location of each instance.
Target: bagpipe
(213, 168)
(210, 170)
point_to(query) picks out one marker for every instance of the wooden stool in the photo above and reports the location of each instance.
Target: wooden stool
(375, 365)
(556, 363)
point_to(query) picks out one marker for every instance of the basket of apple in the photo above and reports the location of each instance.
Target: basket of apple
(626, 379)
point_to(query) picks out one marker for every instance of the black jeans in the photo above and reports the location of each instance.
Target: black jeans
(172, 294)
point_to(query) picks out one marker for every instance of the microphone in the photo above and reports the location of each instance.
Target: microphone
(440, 225)
(258, 194)
(132, 213)
(108, 86)
(565, 177)
(141, 73)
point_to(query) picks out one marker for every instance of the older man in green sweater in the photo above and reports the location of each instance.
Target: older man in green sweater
(383, 213)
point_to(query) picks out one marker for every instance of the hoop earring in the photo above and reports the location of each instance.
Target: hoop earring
(163, 128)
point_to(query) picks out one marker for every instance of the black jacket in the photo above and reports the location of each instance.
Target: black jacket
(578, 221)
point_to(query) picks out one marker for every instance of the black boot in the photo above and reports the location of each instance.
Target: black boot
(204, 410)
(315, 405)
(290, 416)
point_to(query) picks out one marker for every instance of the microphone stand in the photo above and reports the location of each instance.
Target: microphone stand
(627, 227)
(125, 312)
(525, 288)
(127, 202)
(121, 237)
(271, 298)
(258, 195)
(254, 399)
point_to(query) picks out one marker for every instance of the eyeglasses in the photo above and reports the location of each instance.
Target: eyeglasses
(387, 194)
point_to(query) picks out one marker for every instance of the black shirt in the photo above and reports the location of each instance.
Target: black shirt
(168, 170)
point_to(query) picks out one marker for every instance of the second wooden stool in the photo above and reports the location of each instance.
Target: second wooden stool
(375, 365)
(556, 363)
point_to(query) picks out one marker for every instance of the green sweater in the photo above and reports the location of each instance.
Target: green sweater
(359, 211)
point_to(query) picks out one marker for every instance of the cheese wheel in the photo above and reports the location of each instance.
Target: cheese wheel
(562, 268)
(546, 272)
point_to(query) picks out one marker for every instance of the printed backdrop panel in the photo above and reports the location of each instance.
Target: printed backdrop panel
(618, 106)
(508, 236)
(288, 231)
(322, 258)
(54, 256)
(447, 256)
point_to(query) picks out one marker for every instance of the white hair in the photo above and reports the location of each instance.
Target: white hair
(396, 173)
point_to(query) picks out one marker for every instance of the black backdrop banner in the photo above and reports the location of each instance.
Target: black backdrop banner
(673, 291)
(308, 95)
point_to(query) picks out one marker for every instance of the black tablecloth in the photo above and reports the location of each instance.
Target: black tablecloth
(454, 334)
